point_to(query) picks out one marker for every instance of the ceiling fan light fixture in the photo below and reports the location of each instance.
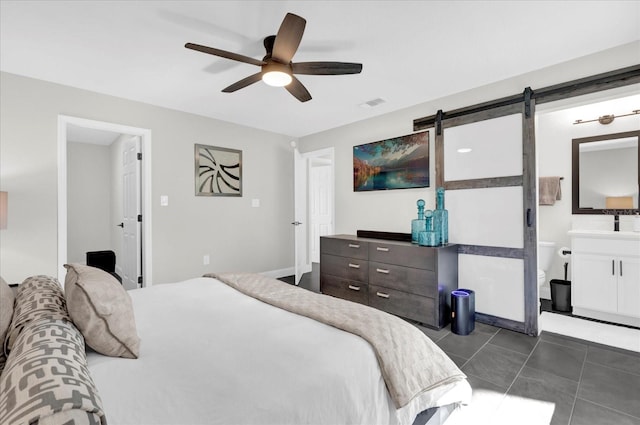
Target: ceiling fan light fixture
(276, 74)
(276, 78)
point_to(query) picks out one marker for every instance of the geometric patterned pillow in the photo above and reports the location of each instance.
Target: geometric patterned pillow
(37, 297)
(7, 299)
(46, 380)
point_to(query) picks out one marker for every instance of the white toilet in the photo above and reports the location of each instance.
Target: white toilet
(546, 251)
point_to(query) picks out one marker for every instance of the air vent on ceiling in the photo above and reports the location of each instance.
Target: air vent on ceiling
(372, 103)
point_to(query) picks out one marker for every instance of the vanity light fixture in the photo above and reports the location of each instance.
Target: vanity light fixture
(607, 119)
(464, 150)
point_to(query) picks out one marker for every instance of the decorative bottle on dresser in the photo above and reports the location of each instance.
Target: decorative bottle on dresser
(418, 225)
(441, 219)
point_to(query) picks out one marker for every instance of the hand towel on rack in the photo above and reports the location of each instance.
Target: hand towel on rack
(549, 190)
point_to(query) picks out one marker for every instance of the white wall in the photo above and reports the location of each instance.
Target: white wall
(116, 207)
(88, 200)
(236, 236)
(393, 210)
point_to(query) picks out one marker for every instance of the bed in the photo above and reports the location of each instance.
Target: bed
(209, 353)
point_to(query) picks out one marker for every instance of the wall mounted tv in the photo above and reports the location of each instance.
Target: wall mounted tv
(397, 163)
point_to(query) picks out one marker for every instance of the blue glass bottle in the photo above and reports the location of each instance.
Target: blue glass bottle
(428, 237)
(441, 219)
(418, 224)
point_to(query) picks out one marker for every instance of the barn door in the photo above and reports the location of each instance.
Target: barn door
(485, 160)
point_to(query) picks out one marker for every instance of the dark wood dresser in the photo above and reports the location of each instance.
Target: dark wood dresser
(401, 278)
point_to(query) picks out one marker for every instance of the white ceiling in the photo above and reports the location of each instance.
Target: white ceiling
(411, 51)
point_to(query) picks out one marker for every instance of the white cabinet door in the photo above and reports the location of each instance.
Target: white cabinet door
(628, 271)
(595, 282)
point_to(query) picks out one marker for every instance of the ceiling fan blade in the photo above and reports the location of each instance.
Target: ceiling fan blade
(288, 38)
(326, 68)
(243, 83)
(298, 91)
(224, 54)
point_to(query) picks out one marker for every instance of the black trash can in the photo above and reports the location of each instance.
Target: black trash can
(560, 295)
(462, 313)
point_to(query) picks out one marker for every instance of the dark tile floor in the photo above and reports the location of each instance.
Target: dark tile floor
(550, 379)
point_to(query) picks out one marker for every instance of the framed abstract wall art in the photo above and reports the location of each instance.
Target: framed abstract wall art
(218, 171)
(398, 163)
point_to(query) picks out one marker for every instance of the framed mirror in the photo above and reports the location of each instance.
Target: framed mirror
(605, 174)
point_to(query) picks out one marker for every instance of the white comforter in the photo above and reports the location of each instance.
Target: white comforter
(211, 355)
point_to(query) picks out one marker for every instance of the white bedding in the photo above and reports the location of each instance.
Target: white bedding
(211, 355)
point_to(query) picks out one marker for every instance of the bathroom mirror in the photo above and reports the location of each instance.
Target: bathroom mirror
(605, 174)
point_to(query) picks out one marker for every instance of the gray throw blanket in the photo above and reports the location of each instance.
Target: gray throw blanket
(410, 362)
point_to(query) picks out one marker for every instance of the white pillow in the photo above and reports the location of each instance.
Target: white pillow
(101, 309)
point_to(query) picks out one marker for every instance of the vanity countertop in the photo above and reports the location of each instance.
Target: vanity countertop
(605, 234)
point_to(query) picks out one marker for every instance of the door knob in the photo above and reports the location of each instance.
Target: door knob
(120, 225)
(296, 223)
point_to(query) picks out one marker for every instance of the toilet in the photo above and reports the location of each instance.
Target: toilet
(546, 251)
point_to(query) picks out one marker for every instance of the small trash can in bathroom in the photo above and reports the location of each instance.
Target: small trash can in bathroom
(463, 311)
(560, 295)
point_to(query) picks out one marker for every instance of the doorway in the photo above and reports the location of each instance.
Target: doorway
(123, 190)
(314, 205)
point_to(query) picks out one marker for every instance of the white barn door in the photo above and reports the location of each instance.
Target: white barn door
(485, 160)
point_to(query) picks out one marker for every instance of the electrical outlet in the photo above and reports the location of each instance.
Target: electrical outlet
(206, 259)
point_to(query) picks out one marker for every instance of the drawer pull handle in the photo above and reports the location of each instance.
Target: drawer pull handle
(382, 295)
(383, 249)
(621, 268)
(354, 266)
(354, 288)
(353, 245)
(384, 271)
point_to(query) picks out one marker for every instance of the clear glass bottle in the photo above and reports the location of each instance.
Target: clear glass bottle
(441, 219)
(418, 224)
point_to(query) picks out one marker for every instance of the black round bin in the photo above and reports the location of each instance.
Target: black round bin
(463, 306)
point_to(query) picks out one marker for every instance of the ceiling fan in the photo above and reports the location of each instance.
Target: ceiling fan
(277, 68)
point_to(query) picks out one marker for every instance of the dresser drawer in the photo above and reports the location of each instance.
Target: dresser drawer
(344, 288)
(348, 268)
(344, 248)
(418, 257)
(407, 279)
(421, 309)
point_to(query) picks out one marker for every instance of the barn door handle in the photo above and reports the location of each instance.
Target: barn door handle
(529, 217)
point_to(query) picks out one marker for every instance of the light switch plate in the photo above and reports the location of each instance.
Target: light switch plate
(164, 200)
(255, 203)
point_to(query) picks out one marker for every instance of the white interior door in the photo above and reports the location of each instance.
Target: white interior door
(131, 240)
(320, 204)
(300, 214)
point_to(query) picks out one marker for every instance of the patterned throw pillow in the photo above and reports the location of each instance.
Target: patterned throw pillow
(6, 311)
(101, 308)
(46, 380)
(37, 297)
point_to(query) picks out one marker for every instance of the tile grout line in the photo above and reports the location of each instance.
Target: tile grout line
(575, 399)
(607, 408)
(524, 365)
(613, 368)
(478, 350)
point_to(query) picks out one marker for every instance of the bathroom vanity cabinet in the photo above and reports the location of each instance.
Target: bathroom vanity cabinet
(606, 275)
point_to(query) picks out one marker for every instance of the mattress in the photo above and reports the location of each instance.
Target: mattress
(210, 354)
